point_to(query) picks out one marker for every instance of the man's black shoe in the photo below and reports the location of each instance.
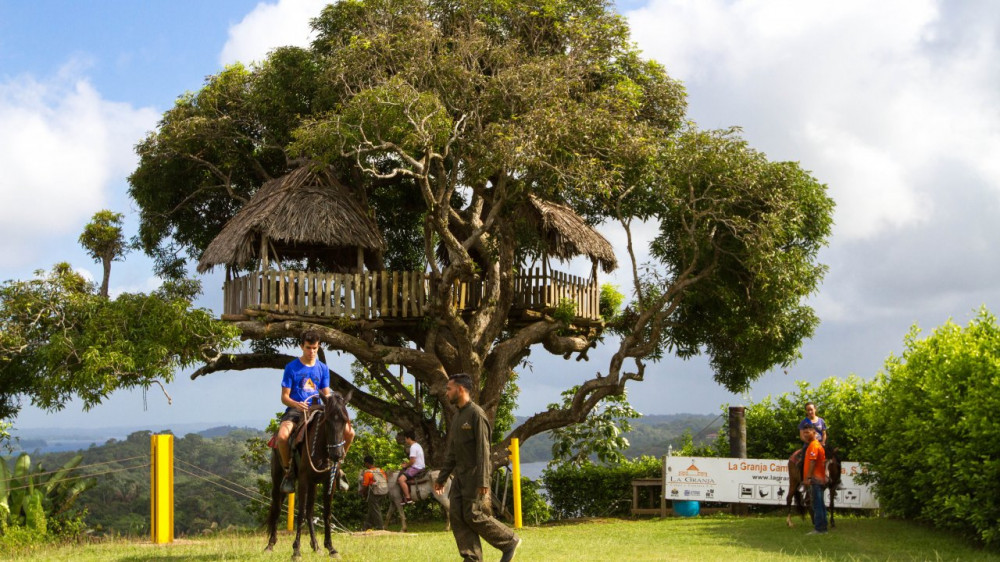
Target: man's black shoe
(508, 554)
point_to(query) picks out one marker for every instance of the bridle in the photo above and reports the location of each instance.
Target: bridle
(333, 465)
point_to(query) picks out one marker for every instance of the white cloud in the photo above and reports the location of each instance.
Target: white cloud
(270, 26)
(147, 285)
(64, 146)
(859, 92)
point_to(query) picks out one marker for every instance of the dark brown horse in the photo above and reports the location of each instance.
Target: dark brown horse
(317, 458)
(804, 501)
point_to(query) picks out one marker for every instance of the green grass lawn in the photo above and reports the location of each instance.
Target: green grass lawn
(718, 537)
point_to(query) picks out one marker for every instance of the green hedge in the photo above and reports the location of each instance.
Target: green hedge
(934, 451)
(592, 490)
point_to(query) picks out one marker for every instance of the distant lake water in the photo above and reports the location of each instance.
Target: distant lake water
(533, 470)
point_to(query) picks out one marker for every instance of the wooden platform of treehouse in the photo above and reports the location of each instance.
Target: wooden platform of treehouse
(395, 295)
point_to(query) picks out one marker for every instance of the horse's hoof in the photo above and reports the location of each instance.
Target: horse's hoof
(269, 548)
(334, 554)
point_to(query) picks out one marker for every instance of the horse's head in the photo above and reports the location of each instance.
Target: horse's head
(335, 418)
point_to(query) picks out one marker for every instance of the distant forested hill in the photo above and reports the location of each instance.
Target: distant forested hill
(650, 435)
(212, 485)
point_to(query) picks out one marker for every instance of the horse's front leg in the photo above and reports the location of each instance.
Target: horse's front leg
(442, 499)
(300, 516)
(833, 494)
(272, 513)
(327, 539)
(402, 515)
(810, 498)
(309, 517)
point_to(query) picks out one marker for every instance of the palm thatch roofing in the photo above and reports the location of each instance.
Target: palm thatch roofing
(307, 213)
(566, 234)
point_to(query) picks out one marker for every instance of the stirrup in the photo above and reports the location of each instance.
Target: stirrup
(287, 482)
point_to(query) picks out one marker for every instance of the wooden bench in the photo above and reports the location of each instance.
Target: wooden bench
(654, 486)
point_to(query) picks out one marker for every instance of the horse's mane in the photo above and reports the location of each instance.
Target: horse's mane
(338, 402)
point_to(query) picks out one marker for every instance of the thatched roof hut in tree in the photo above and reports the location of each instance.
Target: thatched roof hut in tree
(306, 214)
(566, 235)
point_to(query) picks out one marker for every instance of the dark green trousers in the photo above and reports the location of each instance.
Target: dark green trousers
(373, 518)
(470, 520)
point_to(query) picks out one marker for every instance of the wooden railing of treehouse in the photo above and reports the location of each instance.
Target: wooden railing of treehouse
(394, 294)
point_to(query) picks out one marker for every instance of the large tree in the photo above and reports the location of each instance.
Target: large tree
(444, 117)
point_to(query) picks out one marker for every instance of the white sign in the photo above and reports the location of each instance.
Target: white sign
(751, 481)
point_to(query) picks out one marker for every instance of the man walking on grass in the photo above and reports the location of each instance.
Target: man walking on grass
(469, 459)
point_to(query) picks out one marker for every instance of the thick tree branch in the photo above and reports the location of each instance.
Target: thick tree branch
(242, 362)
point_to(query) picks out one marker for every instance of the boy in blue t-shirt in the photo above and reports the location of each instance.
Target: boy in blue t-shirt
(303, 379)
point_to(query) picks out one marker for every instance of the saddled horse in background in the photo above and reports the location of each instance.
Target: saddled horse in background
(317, 459)
(804, 501)
(420, 490)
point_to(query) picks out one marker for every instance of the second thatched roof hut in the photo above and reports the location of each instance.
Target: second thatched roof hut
(567, 235)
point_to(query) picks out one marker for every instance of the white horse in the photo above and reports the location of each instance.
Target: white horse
(419, 491)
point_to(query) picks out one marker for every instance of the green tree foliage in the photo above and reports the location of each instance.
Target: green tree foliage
(445, 119)
(104, 241)
(611, 301)
(601, 435)
(937, 457)
(60, 339)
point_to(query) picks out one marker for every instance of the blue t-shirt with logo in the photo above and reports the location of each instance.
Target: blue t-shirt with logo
(305, 381)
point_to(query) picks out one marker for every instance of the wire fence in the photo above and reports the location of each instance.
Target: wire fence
(144, 463)
(85, 471)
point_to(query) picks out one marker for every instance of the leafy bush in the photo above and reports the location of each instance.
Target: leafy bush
(935, 456)
(39, 501)
(593, 490)
(534, 509)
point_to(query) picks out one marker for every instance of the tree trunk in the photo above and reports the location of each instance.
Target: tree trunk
(106, 261)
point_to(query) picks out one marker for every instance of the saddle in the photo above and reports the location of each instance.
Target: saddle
(419, 477)
(298, 431)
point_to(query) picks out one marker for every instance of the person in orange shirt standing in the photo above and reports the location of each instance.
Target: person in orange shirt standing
(814, 474)
(374, 488)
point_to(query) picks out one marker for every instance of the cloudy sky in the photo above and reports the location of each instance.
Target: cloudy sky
(895, 105)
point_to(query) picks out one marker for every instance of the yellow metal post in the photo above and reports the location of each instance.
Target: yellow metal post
(162, 488)
(291, 511)
(515, 460)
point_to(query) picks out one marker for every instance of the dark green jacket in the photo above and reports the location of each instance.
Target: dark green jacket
(468, 449)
